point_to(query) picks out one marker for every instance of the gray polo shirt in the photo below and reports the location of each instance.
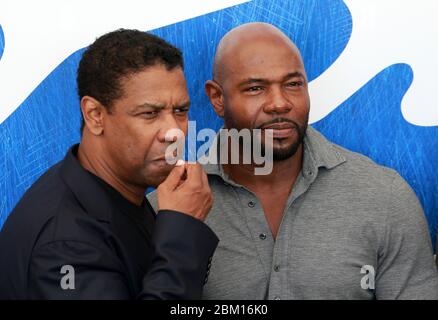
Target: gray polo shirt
(351, 229)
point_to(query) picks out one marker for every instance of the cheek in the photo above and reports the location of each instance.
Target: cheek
(303, 100)
(183, 124)
(144, 143)
(242, 112)
(116, 136)
(300, 106)
(136, 141)
(304, 107)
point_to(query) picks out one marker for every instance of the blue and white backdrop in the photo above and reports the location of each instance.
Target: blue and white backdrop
(372, 66)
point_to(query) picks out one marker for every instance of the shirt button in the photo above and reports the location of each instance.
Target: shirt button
(276, 268)
(277, 298)
(262, 236)
(251, 204)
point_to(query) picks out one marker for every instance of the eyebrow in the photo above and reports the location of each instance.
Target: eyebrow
(295, 74)
(159, 106)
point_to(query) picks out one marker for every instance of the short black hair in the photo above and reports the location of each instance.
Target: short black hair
(118, 54)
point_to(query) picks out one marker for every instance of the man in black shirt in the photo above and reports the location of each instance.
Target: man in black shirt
(84, 230)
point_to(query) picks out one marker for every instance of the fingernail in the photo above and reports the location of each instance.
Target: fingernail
(180, 163)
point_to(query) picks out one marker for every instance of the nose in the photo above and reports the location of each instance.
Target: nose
(277, 102)
(170, 127)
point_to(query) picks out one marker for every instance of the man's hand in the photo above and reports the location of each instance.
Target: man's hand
(186, 190)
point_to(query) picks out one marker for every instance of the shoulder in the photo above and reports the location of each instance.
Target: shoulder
(361, 171)
(38, 218)
(38, 205)
(375, 186)
(47, 212)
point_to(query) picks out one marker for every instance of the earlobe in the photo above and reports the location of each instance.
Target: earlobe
(93, 113)
(215, 94)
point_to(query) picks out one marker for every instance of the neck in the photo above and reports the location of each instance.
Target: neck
(284, 173)
(91, 158)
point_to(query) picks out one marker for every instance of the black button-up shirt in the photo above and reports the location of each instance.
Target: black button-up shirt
(72, 236)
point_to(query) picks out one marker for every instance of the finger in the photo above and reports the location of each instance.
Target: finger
(180, 162)
(174, 178)
(194, 172)
(204, 179)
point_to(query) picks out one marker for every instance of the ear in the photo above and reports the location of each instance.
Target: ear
(94, 113)
(215, 94)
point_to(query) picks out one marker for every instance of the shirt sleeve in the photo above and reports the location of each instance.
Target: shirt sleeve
(69, 269)
(406, 268)
(184, 247)
(75, 270)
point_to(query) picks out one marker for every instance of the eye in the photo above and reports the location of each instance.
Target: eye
(181, 111)
(254, 89)
(149, 114)
(295, 84)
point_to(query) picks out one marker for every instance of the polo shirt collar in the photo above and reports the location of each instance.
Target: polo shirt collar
(318, 152)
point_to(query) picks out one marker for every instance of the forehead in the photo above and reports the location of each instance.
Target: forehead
(261, 59)
(154, 85)
(154, 79)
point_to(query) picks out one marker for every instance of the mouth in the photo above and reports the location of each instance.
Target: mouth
(161, 163)
(162, 158)
(161, 166)
(281, 130)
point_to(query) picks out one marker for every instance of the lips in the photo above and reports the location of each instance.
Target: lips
(279, 126)
(281, 130)
(162, 165)
(163, 157)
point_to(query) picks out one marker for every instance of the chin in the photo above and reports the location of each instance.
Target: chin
(154, 174)
(156, 178)
(284, 153)
(282, 146)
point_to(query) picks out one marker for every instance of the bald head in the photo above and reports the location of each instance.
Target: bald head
(259, 81)
(249, 36)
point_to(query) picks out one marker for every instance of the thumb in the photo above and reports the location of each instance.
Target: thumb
(173, 179)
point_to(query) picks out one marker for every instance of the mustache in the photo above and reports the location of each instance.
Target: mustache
(277, 120)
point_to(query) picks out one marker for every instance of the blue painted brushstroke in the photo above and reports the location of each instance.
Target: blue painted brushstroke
(2, 42)
(39, 132)
(371, 122)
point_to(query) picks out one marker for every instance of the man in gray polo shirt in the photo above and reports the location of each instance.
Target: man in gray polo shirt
(326, 223)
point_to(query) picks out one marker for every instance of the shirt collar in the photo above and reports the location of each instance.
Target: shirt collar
(318, 152)
(94, 194)
(85, 187)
